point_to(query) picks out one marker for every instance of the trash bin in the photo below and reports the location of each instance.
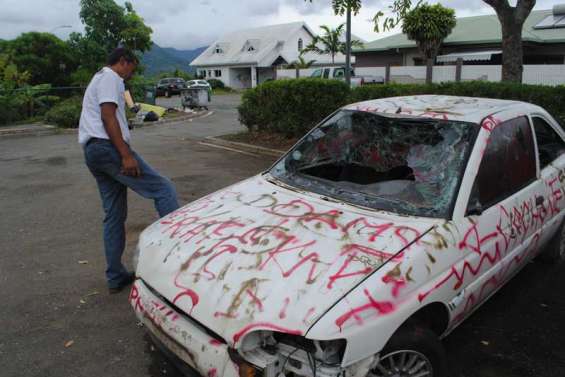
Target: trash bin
(195, 97)
(150, 92)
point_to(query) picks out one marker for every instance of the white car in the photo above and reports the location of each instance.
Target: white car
(193, 83)
(370, 240)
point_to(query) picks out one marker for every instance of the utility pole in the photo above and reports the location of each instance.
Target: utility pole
(348, 48)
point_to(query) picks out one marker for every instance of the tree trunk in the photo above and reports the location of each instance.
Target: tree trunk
(348, 48)
(512, 51)
(429, 70)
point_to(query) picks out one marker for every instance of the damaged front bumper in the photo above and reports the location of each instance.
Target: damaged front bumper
(186, 339)
(210, 356)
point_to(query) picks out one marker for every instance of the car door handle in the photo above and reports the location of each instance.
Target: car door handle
(539, 200)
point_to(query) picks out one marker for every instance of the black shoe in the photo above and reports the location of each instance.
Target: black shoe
(125, 283)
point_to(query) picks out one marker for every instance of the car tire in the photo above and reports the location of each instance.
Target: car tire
(554, 252)
(410, 346)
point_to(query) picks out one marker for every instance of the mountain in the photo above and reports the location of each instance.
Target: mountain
(167, 59)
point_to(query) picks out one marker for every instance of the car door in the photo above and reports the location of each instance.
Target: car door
(497, 239)
(551, 157)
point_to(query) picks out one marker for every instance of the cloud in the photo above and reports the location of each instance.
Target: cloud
(194, 23)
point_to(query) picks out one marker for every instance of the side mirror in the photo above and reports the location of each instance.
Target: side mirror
(475, 208)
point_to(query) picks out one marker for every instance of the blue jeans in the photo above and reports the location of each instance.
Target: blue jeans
(104, 162)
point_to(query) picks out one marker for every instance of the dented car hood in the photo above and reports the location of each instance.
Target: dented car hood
(260, 256)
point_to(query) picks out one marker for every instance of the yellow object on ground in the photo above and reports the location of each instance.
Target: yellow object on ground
(129, 99)
(156, 109)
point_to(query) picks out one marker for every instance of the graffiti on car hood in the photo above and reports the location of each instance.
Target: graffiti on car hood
(259, 256)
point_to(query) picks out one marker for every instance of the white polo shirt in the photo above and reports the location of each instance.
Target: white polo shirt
(105, 86)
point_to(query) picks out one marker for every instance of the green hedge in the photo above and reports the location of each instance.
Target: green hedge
(216, 84)
(550, 98)
(65, 114)
(291, 107)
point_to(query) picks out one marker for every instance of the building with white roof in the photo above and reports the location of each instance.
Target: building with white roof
(245, 58)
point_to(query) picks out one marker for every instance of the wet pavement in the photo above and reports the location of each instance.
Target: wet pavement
(51, 266)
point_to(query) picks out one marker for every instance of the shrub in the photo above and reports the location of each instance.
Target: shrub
(65, 114)
(291, 107)
(216, 84)
(550, 98)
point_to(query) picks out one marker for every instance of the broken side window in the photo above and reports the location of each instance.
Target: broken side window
(405, 165)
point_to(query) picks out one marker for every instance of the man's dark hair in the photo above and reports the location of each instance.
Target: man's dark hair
(122, 52)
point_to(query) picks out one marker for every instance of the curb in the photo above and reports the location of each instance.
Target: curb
(53, 130)
(242, 147)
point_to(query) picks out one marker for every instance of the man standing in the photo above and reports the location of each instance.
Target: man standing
(105, 136)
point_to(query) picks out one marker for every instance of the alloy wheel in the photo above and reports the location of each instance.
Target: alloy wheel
(404, 363)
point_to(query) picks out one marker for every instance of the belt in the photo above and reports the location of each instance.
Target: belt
(96, 140)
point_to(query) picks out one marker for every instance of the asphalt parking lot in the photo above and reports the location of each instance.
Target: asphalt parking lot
(58, 319)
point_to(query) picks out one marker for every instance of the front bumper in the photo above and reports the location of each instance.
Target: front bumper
(184, 338)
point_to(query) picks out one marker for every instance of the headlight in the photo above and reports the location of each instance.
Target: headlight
(135, 258)
(283, 353)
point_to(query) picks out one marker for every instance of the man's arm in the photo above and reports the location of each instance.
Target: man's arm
(112, 126)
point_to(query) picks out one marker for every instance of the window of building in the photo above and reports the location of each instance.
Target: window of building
(550, 144)
(251, 49)
(300, 44)
(218, 50)
(508, 164)
(218, 72)
(209, 73)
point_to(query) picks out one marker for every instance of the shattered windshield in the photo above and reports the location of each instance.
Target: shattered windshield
(403, 165)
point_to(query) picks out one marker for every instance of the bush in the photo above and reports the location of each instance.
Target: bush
(65, 114)
(291, 107)
(216, 84)
(550, 98)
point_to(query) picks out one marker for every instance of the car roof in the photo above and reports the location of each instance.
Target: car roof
(466, 109)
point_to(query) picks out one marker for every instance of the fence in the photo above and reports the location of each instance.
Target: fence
(546, 74)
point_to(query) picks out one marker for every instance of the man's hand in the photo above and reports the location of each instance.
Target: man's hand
(130, 166)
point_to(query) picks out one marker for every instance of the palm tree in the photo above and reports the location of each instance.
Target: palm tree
(299, 64)
(330, 42)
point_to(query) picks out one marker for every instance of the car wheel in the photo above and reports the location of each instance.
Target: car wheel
(413, 351)
(554, 252)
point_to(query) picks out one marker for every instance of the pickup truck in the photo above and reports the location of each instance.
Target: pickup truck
(338, 73)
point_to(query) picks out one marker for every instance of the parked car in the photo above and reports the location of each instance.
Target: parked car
(338, 73)
(170, 86)
(369, 241)
(192, 83)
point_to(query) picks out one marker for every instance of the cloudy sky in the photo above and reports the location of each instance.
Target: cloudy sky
(187, 24)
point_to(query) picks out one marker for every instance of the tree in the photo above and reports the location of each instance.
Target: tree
(429, 25)
(512, 21)
(47, 58)
(340, 8)
(299, 64)
(330, 42)
(107, 26)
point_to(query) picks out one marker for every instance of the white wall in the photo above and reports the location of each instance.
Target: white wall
(548, 74)
(225, 77)
(544, 74)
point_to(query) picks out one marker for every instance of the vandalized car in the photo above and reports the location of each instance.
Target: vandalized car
(368, 242)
